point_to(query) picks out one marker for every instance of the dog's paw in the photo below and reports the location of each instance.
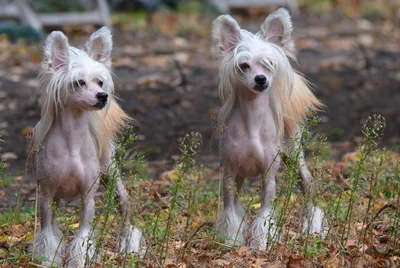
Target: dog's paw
(263, 232)
(131, 240)
(81, 251)
(315, 222)
(231, 228)
(49, 247)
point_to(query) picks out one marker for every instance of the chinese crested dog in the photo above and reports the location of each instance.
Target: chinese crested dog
(263, 99)
(72, 144)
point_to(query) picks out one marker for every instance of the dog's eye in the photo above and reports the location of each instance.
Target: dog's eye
(79, 83)
(101, 83)
(244, 66)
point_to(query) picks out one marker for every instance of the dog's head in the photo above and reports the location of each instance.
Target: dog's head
(254, 60)
(75, 77)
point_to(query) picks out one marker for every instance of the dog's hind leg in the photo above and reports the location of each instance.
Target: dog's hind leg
(264, 229)
(238, 206)
(48, 243)
(231, 224)
(130, 238)
(314, 220)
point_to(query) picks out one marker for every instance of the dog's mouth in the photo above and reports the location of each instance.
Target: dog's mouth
(260, 88)
(100, 105)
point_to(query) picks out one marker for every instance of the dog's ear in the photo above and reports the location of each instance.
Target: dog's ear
(225, 34)
(277, 28)
(99, 46)
(56, 50)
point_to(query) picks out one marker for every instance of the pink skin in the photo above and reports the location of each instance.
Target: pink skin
(85, 95)
(68, 165)
(250, 143)
(255, 68)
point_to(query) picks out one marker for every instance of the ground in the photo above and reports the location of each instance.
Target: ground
(166, 80)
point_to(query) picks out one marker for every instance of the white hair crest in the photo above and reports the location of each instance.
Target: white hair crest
(270, 54)
(62, 65)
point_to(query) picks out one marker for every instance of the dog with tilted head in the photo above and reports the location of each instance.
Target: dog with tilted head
(263, 101)
(72, 144)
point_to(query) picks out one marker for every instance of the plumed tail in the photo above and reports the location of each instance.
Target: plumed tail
(112, 121)
(301, 101)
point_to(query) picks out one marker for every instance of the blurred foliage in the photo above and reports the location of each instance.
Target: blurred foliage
(365, 8)
(47, 6)
(316, 5)
(16, 31)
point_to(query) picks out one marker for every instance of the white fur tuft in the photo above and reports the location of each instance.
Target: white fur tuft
(225, 34)
(263, 231)
(48, 244)
(231, 227)
(99, 46)
(56, 50)
(81, 250)
(315, 222)
(277, 29)
(131, 240)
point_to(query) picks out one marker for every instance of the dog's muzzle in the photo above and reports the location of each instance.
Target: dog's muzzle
(261, 88)
(102, 97)
(261, 83)
(100, 105)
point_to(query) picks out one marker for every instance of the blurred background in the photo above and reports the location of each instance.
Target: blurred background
(166, 77)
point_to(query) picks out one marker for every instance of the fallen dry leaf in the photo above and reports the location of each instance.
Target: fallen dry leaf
(9, 156)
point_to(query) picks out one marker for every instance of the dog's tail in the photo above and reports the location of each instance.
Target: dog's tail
(301, 101)
(112, 122)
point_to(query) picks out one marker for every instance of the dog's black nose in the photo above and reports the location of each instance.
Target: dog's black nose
(260, 79)
(102, 97)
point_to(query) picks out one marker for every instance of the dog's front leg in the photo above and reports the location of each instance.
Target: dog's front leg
(231, 224)
(264, 229)
(82, 249)
(48, 242)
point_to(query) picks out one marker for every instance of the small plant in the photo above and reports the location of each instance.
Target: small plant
(189, 148)
(372, 132)
(177, 212)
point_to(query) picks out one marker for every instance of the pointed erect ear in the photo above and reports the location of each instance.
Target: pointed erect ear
(99, 46)
(277, 28)
(225, 34)
(56, 50)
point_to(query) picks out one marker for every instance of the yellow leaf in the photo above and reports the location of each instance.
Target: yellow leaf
(221, 262)
(26, 131)
(29, 236)
(256, 206)
(3, 238)
(170, 175)
(74, 225)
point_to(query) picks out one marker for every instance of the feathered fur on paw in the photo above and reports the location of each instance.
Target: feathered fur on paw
(231, 227)
(131, 240)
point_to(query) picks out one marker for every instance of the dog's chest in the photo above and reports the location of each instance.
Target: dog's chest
(250, 152)
(251, 156)
(69, 171)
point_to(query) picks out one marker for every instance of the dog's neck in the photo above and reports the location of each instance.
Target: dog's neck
(74, 125)
(253, 108)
